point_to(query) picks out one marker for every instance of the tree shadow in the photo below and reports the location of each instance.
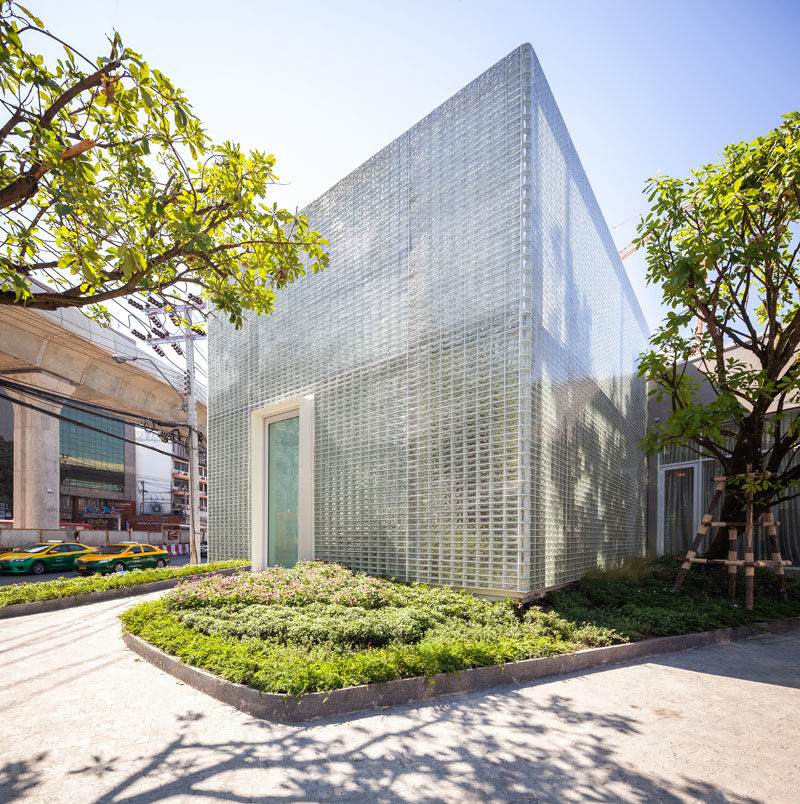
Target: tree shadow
(507, 748)
(17, 778)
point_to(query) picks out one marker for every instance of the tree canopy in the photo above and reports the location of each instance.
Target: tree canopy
(723, 247)
(110, 186)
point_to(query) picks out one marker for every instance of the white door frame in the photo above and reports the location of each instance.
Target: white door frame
(303, 407)
(697, 496)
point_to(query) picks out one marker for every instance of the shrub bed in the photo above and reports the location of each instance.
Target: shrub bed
(319, 627)
(28, 592)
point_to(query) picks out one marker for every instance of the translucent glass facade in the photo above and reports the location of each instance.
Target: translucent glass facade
(471, 354)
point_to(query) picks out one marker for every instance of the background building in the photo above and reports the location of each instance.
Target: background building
(97, 469)
(454, 400)
(49, 357)
(162, 483)
(180, 484)
(681, 486)
(6, 459)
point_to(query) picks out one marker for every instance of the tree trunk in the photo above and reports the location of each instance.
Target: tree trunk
(746, 454)
(732, 511)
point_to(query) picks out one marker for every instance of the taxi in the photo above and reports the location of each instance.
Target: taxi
(42, 557)
(122, 557)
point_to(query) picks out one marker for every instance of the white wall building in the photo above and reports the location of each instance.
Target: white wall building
(153, 475)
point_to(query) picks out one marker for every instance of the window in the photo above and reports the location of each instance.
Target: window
(91, 459)
(685, 489)
(135, 550)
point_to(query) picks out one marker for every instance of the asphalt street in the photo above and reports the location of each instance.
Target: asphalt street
(6, 579)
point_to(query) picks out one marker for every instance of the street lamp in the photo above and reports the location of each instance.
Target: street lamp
(128, 358)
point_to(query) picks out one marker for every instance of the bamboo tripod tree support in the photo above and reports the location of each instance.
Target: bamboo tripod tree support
(732, 562)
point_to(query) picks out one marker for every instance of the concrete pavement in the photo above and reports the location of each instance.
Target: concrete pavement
(84, 720)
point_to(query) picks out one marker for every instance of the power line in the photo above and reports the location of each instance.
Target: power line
(58, 416)
(87, 407)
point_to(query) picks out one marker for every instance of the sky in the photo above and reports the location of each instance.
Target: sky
(644, 87)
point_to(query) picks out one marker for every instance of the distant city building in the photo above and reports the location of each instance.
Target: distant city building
(97, 469)
(103, 473)
(455, 399)
(180, 483)
(162, 482)
(6, 460)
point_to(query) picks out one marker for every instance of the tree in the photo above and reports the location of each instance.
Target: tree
(109, 186)
(723, 247)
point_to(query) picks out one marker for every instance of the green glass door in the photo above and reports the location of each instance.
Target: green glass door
(283, 463)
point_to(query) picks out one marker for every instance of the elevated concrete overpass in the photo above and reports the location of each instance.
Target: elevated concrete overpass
(65, 352)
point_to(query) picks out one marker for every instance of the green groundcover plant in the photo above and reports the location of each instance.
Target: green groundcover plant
(73, 587)
(319, 627)
(640, 603)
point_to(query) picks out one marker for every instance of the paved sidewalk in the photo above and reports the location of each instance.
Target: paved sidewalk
(85, 721)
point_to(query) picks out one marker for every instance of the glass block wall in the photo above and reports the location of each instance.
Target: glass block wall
(471, 354)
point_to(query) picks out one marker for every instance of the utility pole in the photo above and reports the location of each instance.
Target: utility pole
(141, 484)
(189, 335)
(194, 462)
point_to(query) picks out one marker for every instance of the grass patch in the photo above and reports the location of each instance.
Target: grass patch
(28, 592)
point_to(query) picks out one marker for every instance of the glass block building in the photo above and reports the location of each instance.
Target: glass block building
(454, 400)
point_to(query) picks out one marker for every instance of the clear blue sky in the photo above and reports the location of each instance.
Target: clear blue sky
(644, 87)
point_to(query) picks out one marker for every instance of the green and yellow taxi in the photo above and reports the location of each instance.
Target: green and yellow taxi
(44, 557)
(122, 557)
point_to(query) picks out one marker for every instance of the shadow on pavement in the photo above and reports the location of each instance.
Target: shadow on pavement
(17, 778)
(405, 762)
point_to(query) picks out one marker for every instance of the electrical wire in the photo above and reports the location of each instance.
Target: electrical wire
(88, 407)
(80, 424)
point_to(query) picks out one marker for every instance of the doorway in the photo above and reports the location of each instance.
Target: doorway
(282, 483)
(282, 457)
(684, 493)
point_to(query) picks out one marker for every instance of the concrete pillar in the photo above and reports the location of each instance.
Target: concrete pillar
(36, 455)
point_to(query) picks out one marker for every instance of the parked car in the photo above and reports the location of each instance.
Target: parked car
(44, 557)
(122, 557)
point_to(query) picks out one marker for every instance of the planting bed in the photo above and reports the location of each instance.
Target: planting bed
(320, 627)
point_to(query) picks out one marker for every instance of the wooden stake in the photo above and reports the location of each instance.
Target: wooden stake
(733, 537)
(749, 571)
(767, 521)
(719, 487)
(772, 534)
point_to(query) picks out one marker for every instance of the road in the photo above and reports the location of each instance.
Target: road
(8, 579)
(85, 721)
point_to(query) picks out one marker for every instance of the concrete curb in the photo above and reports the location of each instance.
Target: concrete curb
(59, 603)
(292, 709)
